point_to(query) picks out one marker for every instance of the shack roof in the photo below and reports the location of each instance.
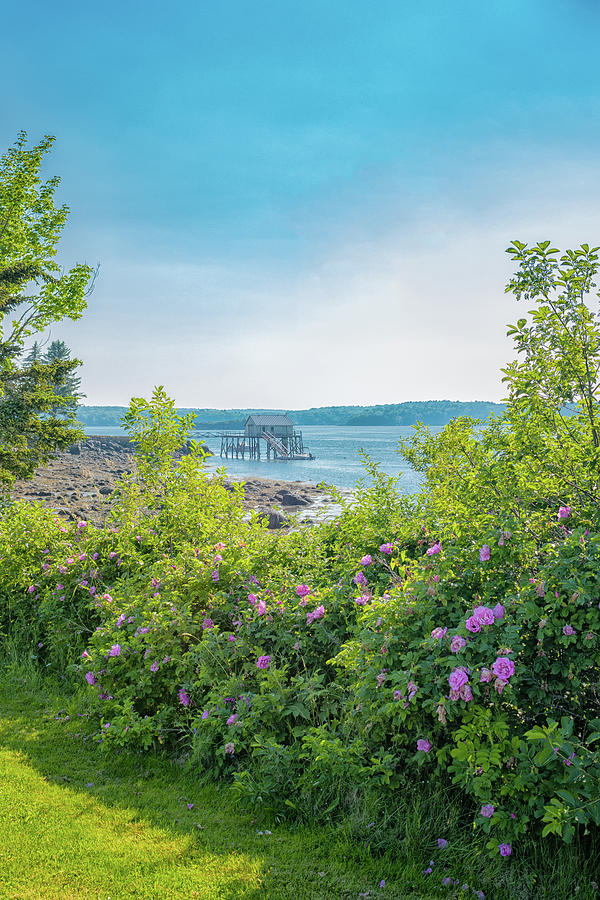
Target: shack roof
(269, 420)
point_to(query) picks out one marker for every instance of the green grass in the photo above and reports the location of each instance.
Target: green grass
(78, 823)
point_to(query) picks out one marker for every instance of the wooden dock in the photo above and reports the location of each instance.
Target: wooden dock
(239, 445)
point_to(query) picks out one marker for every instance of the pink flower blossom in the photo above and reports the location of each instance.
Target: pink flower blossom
(360, 601)
(120, 620)
(454, 694)
(397, 695)
(457, 678)
(263, 662)
(318, 613)
(457, 643)
(433, 551)
(229, 748)
(486, 675)
(252, 599)
(466, 693)
(302, 590)
(473, 624)
(380, 678)
(366, 560)
(360, 579)
(115, 650)
(503, 668)
(484, 615)
(81, 525)
(424, 745)
(412, 689)
(386, 548)
(499, 684)
(487, 811)
(484, 553)
(90, 678)
(232, 719)
(261, 607)
(564, 512)
(439, 633)
(568, 630)
(499, 611)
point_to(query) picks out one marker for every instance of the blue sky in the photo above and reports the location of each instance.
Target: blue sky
(303, 204)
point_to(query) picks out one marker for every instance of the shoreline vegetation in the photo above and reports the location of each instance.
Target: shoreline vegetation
(428, 412)
(79, 483)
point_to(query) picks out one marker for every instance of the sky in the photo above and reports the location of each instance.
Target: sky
(305, 204)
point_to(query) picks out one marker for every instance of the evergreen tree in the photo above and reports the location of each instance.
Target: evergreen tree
(34, 292)
(68, 387)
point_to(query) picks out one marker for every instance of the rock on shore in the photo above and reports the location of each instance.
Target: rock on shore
(78, 484)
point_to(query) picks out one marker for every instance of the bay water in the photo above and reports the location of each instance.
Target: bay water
(335, 448)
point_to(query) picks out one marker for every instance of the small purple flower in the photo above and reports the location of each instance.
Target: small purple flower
(155, 666)
(486, 675)
(433, 551)
(505, 849)
(457, 643)
(230, 748)
(81, 525)
(439, 633)
(115, 650)
(499, 611)
(442, 843)
(184, 698)
(360, 579)
(484, 553)
(503, 668)
(386, 548)
(473, 624)
(424, 745)
(382, 883)
(318, 613)
(484, 615)
(457, 678)
(568, 630)
(190, 805)
(215, 575)
(120, 620)
(487, 811)
(204, 714)
(90, 678)
(564, 512)
(302, 590)
(263, 662)
(207, 624)
(366, 560)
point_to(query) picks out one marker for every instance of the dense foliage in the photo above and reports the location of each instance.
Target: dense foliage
(455, 634)
(35, 418)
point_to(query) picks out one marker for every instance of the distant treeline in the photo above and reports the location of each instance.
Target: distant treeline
(429, 412)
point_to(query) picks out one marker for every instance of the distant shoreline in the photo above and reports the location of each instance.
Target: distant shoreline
(429, 412)
(78, 484)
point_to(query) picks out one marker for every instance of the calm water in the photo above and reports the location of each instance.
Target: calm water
(335, 448)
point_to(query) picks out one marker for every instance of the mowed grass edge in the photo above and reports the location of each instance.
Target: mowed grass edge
(76, 823)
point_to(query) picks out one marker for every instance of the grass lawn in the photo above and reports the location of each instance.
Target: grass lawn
(78, 823)
(75, 823)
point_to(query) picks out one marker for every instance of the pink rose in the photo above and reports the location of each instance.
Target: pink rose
(433, 551)
(503, 668)
(473, 624)
(457, 678)
(439, 633)
(486, 675)
(457, 643)
(484, 553)
(484, 615)
(424, 745)
(499, 611)
(564, 512)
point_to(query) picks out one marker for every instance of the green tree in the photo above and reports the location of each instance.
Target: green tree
(68, 389)
(34, 293)
(544, 450)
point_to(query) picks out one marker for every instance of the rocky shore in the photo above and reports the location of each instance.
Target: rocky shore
(78, 484)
